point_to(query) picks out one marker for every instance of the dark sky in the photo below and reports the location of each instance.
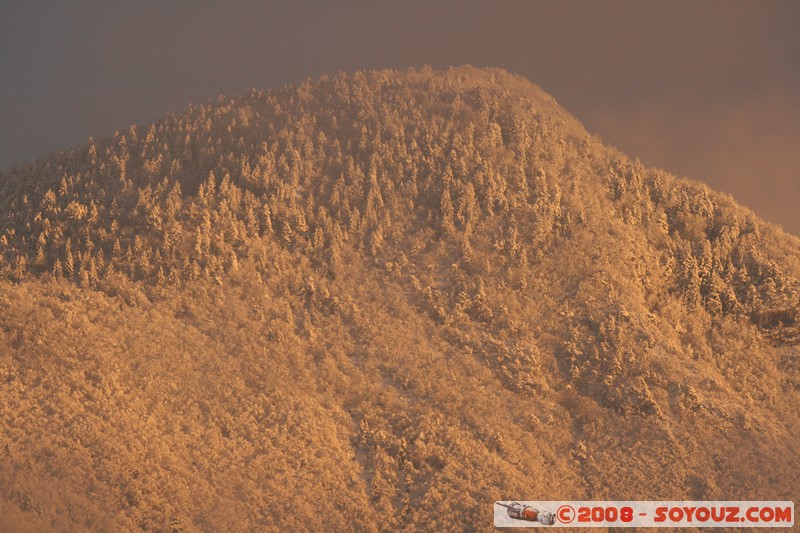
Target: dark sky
(705, 89)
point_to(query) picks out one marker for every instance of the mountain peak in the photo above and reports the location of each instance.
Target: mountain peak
(403, 282)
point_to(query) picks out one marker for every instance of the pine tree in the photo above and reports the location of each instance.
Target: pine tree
(161, 278)
(69, 261)
(58, 271)
(40, 259)
(468, 210)
(83, 277)
(92, 272)
(116, 251)
(20, 268)
(446, 211)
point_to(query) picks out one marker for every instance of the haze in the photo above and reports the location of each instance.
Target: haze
(707, 90)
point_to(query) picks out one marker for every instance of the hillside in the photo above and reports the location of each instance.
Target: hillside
(382, 301)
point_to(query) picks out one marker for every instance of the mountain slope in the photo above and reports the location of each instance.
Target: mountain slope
(386, 300)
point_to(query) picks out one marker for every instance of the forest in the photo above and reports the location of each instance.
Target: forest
(382, 301)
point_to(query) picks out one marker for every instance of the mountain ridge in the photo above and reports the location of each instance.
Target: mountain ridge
(442, 271)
